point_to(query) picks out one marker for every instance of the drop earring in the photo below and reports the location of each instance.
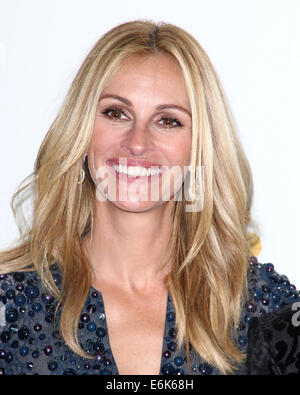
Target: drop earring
(195, 195)
(82, 172)
(82, 176)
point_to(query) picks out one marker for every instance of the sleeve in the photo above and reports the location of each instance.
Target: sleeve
(259, 359)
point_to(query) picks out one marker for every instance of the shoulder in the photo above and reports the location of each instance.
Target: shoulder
(20, 288)
(267, 289)
(25, 284)
(271, 309)
(15, 287)
(27, 314)
(22, 294)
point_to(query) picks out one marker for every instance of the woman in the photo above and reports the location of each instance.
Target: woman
(108, 279)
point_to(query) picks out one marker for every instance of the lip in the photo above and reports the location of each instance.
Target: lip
(132, 162)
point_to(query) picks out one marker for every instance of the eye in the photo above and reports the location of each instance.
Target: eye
(170, 123)
(114, 114)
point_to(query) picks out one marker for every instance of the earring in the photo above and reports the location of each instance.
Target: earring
(195, 195)
(82, 172)
(197, 190)
(82, 176)
(197, 186)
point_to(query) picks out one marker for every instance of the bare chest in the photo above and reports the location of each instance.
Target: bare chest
(136, 330)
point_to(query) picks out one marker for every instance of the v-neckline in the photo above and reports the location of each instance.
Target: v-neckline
(93, 289)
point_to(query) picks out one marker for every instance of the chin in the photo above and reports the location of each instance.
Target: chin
(136, 207)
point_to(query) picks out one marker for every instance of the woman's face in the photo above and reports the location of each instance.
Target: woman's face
(143, 123)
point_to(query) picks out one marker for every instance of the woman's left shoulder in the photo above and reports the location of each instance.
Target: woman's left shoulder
(268, 289)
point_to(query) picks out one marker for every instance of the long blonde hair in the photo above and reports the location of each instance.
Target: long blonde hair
(209, 250)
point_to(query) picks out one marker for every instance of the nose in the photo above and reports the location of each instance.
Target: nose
(138, 141)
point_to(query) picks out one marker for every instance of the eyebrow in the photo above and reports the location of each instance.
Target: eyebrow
(159, 108)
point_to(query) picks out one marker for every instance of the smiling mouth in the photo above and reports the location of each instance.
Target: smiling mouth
(135, 168)
(137, 171)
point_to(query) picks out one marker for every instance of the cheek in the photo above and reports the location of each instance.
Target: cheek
(102, 140)
(179, 151)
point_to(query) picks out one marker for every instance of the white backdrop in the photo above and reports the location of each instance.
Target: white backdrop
(254, 46)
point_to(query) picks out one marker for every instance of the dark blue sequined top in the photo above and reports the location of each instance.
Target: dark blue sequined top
(30, 341)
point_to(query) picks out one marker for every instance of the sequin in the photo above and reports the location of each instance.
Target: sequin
(52, 365)
(36, 307)
(35, 353)
(91, 326)
(30, 365)
(269, 267)
(37, 327)
(171, 346)
(12, 315)
(30, 342)
(32, 292)
(242, 340)
(251, 308)
(101, 332)
(168, 369)
(91, 308)
(23, 333)
(85, 318)
(20, 287)
(24, 351)
(13, 328)
(178, 361)
(171, 316)
(5, 336)
(48, 350)
(205, 369)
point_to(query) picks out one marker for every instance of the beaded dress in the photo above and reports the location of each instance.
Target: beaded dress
(30, 341)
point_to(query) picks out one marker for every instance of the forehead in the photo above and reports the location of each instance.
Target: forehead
(158, 75)
(160, 61)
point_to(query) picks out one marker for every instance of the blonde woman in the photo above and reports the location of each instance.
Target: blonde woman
(115, 274)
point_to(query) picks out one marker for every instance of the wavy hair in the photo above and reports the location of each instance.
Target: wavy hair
(209, 250)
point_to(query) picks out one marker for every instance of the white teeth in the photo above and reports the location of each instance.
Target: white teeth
(136, 171)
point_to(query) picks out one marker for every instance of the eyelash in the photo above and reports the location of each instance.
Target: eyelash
(108, 110)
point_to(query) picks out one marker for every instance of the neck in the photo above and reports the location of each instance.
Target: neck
(127, 248)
